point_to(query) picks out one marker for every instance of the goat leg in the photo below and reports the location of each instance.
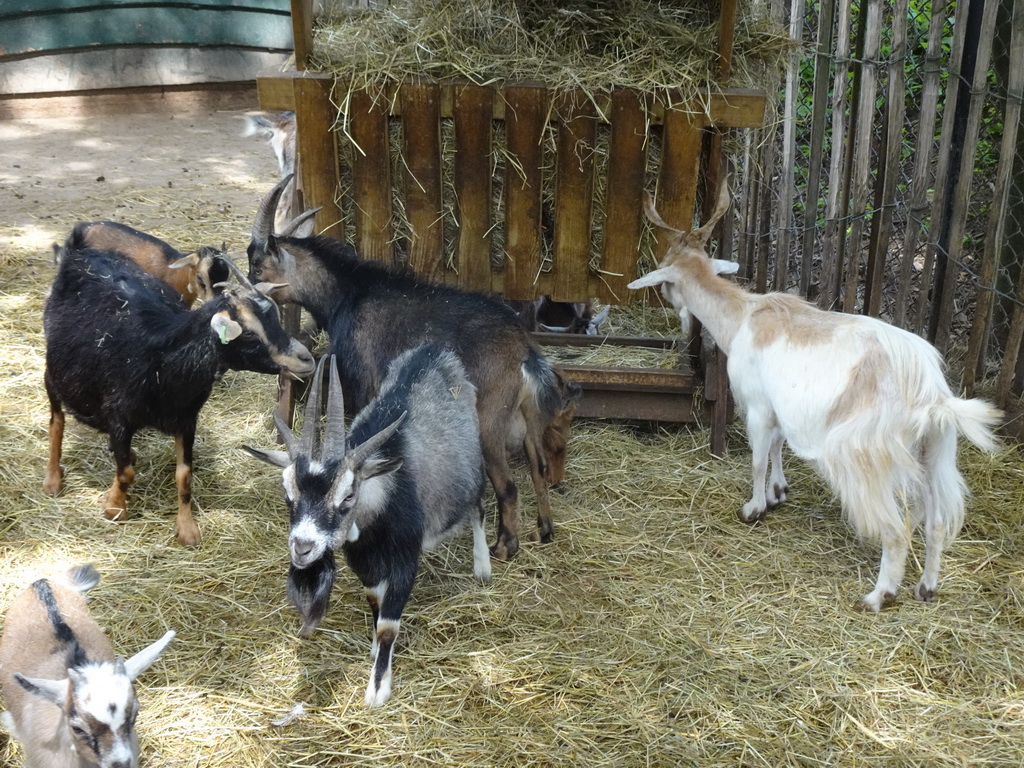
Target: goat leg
(496, 463)
(185, 528)
(392, 595)
(54, 479)
(115, 501)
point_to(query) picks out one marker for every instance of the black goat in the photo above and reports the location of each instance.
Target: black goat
(408, 476)
(195, 275)
(373, 313)
(123, 352)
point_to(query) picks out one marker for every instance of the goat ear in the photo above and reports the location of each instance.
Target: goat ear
(378, 467)
(657, 277)
(192, 260)
(225, 328)
(54, 691)
(140, 662)
(277, 458)
(723, 267)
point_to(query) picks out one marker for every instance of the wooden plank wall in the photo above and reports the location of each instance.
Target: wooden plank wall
(521, 114)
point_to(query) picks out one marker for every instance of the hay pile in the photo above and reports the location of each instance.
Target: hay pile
(655, 631)
(668, 49)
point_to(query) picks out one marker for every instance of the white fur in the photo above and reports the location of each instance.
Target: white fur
(378, 695)
(866, 403)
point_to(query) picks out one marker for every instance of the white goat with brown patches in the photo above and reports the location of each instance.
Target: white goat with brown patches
(866, 403)
(70, 701)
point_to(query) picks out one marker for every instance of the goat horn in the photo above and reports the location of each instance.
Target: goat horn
(334, 429)
(721, 206)
(238, 273)
(290, 442)
(263, 226)
(312, 413)
(298, 221)
(362, 452)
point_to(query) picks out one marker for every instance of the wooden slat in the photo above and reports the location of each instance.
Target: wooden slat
(819, 103)
(677, 176)
(787, 177)
(525, 115)
(318, 167)
(917, 207)
(275, 93)
(421, 148)
(472, 108)
(371, 174)
(302, 32)
(574, 197)
(951, 242)
(863, 122)
(627, 160)
(890, 171)
(996, 231)
(835, 211)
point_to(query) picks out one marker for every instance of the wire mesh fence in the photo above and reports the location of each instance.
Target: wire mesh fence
(891, 181)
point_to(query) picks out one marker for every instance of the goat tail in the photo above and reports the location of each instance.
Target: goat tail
(81, 578)
(541, 383)
(975, 419)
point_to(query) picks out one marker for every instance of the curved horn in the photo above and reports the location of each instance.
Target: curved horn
(721, 206)
(242, 278)
(263, 226)
(334, 429)
(362, 452)
(311, 422)
(298, 221)
(291, 443)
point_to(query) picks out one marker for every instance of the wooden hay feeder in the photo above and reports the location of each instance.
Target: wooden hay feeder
(592, 252)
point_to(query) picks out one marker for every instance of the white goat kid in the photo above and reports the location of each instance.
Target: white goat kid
(70, 701)
(866, 403)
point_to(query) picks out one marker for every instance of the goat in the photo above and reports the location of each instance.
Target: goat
(408, 475)
(193, 275)
(544, 314)
(70, 701)
(373, 313)
(123, 352)
(865, 402)
(281, 133)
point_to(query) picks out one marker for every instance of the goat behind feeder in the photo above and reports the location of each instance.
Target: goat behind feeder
(373, 314)
(407, 477)
(866, 403)
(280, 132)
(70, 701)
(124, 353)
(193, 275)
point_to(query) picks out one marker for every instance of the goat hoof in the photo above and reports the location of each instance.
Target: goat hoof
(778, 495)
(873, 604)
(505, 549)
(53, 482)
(752, 515)
(926, 594)
(115, 508)
(187, 535)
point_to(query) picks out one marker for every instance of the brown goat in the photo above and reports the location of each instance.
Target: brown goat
(193, 275)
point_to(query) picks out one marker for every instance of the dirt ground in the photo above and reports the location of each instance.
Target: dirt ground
(157, 172)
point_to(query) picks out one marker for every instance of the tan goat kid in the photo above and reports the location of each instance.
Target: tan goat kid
(865, 402)
(70, 701)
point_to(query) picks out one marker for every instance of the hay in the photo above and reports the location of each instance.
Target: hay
(655, 631)
(653, 47)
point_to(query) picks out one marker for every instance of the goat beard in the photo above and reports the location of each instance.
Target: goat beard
(309, 590)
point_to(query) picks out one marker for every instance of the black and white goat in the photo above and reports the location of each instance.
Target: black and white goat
(408, 476)
(865, 402)
(70, 701)
(195, 275)
(373, 313)
(123, 353)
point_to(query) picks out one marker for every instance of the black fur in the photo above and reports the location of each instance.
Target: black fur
(64, 634)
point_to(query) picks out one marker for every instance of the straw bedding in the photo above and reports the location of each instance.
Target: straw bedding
(655, 630)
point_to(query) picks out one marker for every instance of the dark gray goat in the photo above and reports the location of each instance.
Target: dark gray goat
(408, 476)
(373, 313)
(123, 353)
